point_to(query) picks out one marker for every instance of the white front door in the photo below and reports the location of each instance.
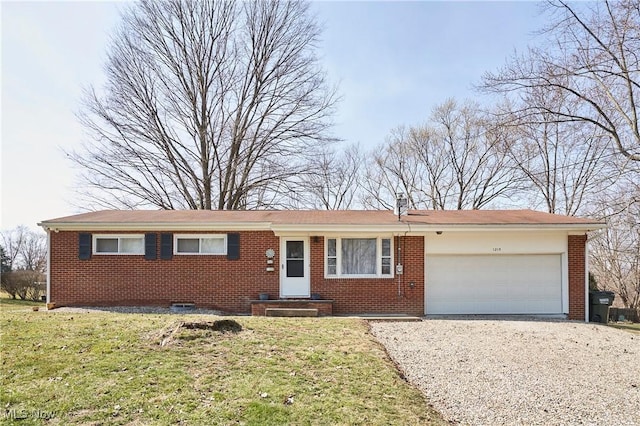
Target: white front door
(294, 267)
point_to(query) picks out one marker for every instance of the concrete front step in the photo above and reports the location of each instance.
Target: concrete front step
(291, 312)
(323, 307)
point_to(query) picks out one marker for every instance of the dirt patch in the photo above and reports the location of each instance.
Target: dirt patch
(222, 326)
(192, 330)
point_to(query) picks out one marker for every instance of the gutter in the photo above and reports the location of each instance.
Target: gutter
(303, 228)
(156, 226)
(48, 267)
(420, 229)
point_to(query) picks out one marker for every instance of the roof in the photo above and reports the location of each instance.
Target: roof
(316, 220)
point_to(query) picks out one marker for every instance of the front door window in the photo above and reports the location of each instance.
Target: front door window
(295, 258)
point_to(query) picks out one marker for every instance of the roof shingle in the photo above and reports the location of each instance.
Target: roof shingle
(322, 217)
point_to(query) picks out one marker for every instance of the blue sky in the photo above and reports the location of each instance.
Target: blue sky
(393, 61)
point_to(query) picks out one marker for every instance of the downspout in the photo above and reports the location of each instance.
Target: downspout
(48, 266)
(398, 263)
(586, 279)
(400, 257)
(424, 274)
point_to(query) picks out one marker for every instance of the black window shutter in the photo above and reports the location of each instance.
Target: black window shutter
(233, 246)
(166, 246)
(150, 246)
(84, 246)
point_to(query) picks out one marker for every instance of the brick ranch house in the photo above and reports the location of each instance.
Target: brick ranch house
(424, 262)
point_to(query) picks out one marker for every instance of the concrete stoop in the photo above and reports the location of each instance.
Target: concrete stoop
(291, 312)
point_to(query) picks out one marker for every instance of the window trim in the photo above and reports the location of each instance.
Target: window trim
(338, 257)
(200, 237)
(96, 237)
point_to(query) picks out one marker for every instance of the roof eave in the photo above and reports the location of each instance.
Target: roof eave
(156, 226)
(400, 227)
(412, 228)
(510, 226)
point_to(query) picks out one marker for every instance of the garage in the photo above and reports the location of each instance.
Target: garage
(494, 284)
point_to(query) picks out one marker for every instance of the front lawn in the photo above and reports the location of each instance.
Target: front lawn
(165, 369)
(633, 327)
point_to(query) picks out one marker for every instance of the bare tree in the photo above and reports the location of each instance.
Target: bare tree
(480, 172)
(592, 60)
(615, 260)
(563, 164)
(25, 249)
(615, 251)
(391, 169)
(34, 253)
(455, 161)
(13, 241)
(26, 262)
(208, 105)
(337, 181)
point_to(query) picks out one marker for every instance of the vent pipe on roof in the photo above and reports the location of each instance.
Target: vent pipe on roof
(402, 204)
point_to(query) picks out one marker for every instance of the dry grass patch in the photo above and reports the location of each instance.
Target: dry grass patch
(627, 326)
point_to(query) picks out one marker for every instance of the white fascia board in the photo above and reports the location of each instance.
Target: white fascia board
(312, 229)
(413, 229)
(164, 226)
(574, 229)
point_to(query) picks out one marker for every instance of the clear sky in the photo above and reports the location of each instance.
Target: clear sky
(393, 61)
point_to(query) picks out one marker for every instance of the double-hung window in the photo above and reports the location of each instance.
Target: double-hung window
(358, 257)
(118, 244)
(212, 244)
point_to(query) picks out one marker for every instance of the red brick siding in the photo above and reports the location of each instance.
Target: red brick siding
(215, 282)
(374, 295)
(207, 281)
(576, 258)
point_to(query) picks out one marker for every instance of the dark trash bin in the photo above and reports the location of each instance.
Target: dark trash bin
(599, 302)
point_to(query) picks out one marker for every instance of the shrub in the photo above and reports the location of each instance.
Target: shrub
(27, 285)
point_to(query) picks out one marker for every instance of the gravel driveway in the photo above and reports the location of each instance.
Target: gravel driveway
(520, 372)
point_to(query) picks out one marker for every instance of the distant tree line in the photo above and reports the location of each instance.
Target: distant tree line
(24, 263)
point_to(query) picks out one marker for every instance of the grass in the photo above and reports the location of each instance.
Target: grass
(106, 368)
(7, 303)
(633, 327)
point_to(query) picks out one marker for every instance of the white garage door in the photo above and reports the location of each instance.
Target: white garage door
(498, 284)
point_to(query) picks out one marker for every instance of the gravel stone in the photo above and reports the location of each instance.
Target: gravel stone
(519, 372)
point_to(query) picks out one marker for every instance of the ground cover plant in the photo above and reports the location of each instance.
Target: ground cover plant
(108, 368)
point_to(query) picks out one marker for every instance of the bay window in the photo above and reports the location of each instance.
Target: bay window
(358, 257)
